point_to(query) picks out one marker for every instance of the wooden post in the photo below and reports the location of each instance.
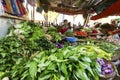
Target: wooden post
(86, 19)
(33, 13)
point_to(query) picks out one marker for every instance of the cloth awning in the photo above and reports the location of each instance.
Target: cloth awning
(114, 9)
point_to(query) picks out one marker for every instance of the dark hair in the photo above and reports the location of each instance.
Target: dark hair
(65, 20)
(97, 25)
(105, 26)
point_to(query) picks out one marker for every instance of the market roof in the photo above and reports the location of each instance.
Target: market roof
(73, 7)
(68, 6)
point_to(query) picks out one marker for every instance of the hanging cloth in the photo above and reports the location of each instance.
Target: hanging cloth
(31, 2)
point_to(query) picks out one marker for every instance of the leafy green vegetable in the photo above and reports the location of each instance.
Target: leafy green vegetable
(69, 33)
(44, 43)
(1, 75)
(64, 69)
(37, 33)
(33, 69)
(109, 47)
(54, 33)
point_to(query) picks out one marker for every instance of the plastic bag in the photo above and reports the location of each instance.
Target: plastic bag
(5, 24)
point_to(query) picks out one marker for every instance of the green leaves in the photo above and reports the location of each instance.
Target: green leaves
(33, 69)
(44, 44)
(109, 47)
(37, 33)
(76, 63)
(81, 74)
(44, 77)
(86, 59)
(64, 69)
(1, 75)
(52, 66)
(54, 33)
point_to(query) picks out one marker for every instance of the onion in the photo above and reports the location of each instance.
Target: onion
(106, 68)
(108, 71)
(59, 45)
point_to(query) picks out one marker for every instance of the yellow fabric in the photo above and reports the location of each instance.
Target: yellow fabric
(8, 3)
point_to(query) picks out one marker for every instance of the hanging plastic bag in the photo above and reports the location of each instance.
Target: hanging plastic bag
(5, 24)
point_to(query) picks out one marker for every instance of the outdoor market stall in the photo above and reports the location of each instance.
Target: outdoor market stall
(33, 51)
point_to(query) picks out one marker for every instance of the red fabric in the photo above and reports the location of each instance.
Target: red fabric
(112, 10)
(20, 7)
(62, 30)
(113, 32)
(94, 31)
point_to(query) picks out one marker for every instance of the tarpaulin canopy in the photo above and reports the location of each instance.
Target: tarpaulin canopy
(114, 9)
(69, 7)
(67, 11)
(103, 8)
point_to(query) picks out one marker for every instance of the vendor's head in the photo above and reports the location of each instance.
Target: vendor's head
(113, 22)
(97, 24)
(65, 21)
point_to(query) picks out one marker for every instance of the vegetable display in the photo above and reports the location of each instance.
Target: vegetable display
(26, 54)
(104, 45)
(74, 62)
(109, 47)
(81, 33)
(22, 41)
(60, 64)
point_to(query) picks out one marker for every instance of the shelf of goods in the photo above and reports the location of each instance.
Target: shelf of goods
(15, 17)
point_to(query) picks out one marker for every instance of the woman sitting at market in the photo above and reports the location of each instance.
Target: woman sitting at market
(64, 27)
(95, 29)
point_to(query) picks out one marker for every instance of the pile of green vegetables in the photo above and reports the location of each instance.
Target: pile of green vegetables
(26, 54)
(22, 41)
(69, 63)
(104, 45)
(109, 47)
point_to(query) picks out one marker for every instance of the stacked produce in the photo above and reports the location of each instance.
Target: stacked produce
(103, 44)
(62, 64)
(26, 54)
(113, 40)
(22, 41)
(81, 33)
(109, 47)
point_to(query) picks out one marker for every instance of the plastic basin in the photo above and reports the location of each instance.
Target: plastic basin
(71, 39)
